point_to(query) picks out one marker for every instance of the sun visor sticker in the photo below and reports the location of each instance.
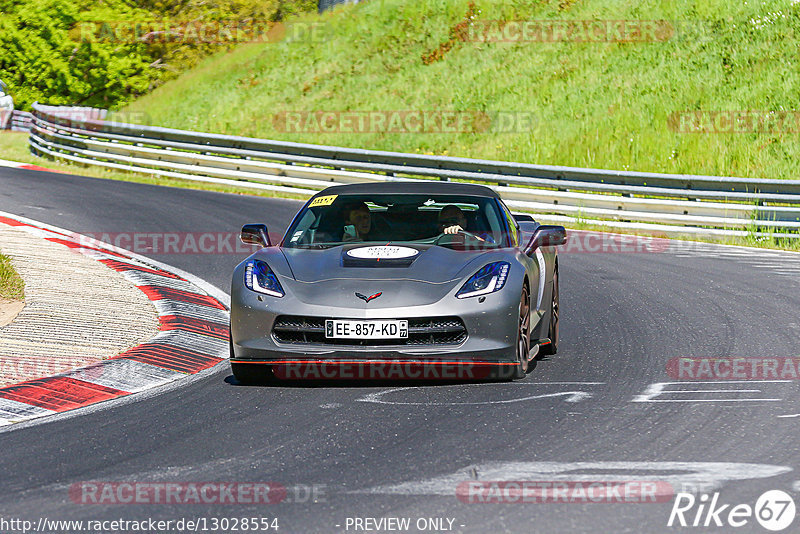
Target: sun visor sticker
(323, 201)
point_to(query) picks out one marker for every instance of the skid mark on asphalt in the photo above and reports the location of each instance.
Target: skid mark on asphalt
(572, 395)
(679, 476)
(782, 263)
(695, 391)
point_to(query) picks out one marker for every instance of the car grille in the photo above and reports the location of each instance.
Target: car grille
(421, 331)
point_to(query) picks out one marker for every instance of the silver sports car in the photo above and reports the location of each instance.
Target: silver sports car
(414, 279)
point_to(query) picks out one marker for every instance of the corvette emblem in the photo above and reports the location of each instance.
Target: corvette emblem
(368, 298)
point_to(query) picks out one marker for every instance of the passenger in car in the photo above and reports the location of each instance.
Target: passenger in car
(358, 223)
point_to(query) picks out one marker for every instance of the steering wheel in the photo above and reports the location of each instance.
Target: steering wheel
(458, 237)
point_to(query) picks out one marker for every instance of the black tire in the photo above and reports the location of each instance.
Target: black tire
(552, 331)
(251, 373)
(523, 335)
(248, 373)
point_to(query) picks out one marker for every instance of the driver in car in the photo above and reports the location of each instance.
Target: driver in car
(452, 220)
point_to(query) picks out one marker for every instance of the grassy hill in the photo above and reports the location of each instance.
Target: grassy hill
(84, 52)
(597, 104)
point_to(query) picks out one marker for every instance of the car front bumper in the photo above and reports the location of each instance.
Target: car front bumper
(491, 329)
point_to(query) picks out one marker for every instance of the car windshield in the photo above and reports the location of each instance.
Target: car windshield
(443, 220)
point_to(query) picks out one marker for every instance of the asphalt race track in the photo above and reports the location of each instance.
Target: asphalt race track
(592, 412)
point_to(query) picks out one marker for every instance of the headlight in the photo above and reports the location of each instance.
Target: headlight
(260, 278)
(489, 279)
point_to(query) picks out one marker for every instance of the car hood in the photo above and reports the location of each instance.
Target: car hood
(431, 264)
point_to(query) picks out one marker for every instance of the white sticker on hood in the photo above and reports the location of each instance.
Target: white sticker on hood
(383, 252)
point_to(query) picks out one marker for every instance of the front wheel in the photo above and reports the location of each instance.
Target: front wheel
(552, 347)
(248, 373)
(523, 335)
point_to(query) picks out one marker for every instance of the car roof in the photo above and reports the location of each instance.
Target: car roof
(421, 187)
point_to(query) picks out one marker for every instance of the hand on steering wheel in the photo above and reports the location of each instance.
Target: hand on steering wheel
(456, 232)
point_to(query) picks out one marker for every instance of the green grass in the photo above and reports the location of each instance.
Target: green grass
(604, 105)
(14, 147)
(11, 285)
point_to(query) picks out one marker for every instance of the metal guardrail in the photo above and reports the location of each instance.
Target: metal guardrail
(697, 204)
(75, 113)
(20, 121)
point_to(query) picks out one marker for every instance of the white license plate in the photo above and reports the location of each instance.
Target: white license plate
(348, 329)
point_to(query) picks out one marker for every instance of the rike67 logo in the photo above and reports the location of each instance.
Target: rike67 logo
(774, 510)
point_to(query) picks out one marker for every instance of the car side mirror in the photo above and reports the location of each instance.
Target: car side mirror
(547, 236)
(255, 234)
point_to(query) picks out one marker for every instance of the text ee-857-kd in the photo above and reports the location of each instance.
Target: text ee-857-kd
(378, 329)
